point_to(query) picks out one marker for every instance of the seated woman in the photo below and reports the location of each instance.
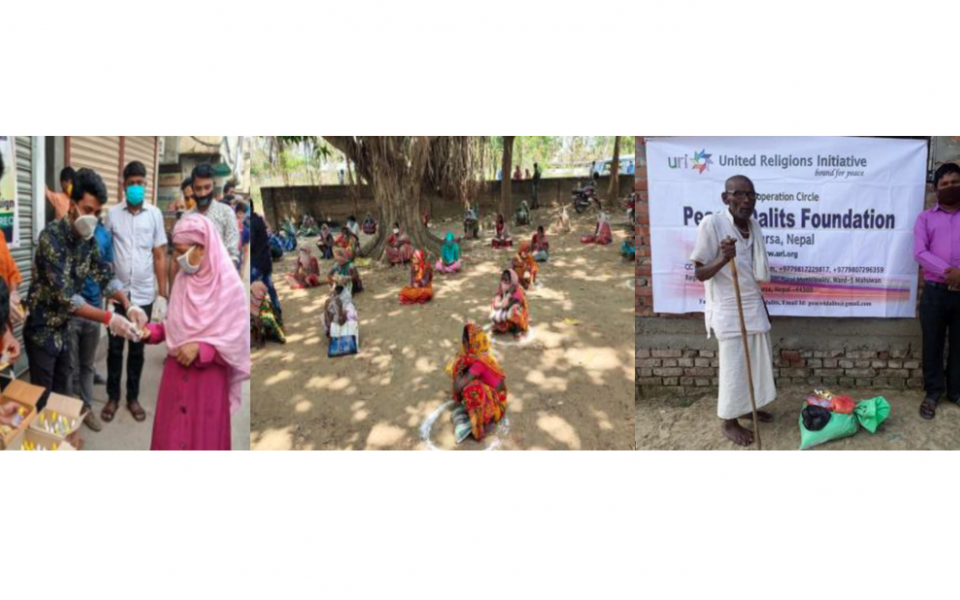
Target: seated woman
(563, 221)
(350, 242)
(501, 238)
(399, 250)
(353, 226)
(340, 323)
(369, 225)
(627, 250)
(307, 274)
(522, 214)
(308, 228)
(420, 290)
(325, 243)
(479, 386)
(344, 273)
(449, 255)
(208, 351)
(510, 313)
(603, 235)
(541, 247)
(264, 324)
(524, 265)
(471, 223)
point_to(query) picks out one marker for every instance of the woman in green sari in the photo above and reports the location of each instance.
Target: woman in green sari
(449, 255)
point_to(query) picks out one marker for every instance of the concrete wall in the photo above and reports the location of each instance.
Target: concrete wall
(335, 202)
(674, 356)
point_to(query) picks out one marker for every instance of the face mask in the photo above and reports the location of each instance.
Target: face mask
(135, 194)
(949, 196)
(184, 262)
(179, 214)
(204, 201)
(85, 226)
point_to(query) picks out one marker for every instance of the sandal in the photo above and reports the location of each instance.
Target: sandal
(109, 411)
(139, 415)
(928, 409)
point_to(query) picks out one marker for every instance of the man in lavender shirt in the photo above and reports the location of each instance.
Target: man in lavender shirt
(936, 246)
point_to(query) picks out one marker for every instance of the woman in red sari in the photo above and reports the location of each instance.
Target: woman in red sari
(208, 348)
(602, 235)
(501, 238)
(399, 249)
(525, 267)
(307, 274)
(420, 290)
(510, 313)
(479, 385)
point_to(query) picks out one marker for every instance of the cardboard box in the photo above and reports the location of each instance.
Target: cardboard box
(26, 396)
(39, 441)
(71, 408)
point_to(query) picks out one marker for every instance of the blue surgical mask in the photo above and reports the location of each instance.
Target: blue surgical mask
(135, 194)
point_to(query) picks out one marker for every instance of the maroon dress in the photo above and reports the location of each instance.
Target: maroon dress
(193, 405)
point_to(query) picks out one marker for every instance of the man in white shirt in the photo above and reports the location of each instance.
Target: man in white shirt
(733, 234)
(139, 251)
(220, 213)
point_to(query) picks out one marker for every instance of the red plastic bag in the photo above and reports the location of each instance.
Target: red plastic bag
(842, 405)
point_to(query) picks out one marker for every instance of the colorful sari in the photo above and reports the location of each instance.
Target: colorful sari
(510, 318)
(541, 247)
(369, 225)
(421, 289)
(399, 249)
(603, 235)
(628, 251)
(449, 255)
(481, 399)
(307, 274)
(525, 266)
(501, 238)
(262, 316)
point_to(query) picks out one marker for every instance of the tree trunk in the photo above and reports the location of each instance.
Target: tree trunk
(506, 168)
(614, 189)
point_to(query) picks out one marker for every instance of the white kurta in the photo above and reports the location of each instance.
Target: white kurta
(723, 319)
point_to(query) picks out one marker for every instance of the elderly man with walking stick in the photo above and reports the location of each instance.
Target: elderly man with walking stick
(731, 259)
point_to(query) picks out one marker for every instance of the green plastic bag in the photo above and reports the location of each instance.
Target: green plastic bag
(869, 413)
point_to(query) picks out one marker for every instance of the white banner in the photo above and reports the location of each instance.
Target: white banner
(837, 216)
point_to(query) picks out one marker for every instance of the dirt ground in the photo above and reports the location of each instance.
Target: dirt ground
(570, 382)
(692, 424)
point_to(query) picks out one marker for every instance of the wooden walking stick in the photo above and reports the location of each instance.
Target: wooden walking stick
(746, 351)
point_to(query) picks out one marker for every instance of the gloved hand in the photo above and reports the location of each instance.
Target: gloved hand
(122, 327)
(138, 316)
(159, 309)
(16, 310)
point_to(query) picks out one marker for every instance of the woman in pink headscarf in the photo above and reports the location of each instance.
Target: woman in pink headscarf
(208, 356)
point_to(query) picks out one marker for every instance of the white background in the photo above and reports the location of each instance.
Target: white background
(533, 526)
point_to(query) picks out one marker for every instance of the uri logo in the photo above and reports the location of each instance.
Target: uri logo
(700, 161)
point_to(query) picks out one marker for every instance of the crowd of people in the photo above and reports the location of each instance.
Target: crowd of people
(479, 383)
(95, 266)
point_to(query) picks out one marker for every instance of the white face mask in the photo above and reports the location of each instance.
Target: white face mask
(85, 226)
(184, 261)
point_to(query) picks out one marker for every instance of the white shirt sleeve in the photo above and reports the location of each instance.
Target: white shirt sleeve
(159, 231)
(232, 238)
(707, 247)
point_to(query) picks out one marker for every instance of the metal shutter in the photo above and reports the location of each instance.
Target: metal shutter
(102, 154)
(144, 149)
(23, 255)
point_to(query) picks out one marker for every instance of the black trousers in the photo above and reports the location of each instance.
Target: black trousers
(940, 321)
(134, 363)
(49, 371)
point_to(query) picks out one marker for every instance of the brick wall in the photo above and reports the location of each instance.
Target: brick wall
(673, 355)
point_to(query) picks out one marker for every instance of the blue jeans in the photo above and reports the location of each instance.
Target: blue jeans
(256, 275)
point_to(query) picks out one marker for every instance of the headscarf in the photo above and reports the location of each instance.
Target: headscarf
(450, 251)
(477, 348)
(514, 281)
(502, 226)
(324, 232)
(304, 259)
(419, 265)
(207, 306)
(368, 218)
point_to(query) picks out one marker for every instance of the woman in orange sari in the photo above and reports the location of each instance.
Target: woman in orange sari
(420, 290)
(510, 313)
(479, 386)
(525, 266)
(399, 249)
